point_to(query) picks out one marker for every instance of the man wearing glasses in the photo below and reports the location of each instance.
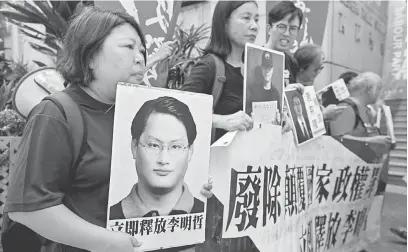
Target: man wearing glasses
(284, 21)
(163, 134)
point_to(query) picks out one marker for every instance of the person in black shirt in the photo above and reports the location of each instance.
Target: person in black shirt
(284, 22)
(227, 42)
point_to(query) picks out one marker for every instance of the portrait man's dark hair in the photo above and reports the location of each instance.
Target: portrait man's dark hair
(282, 9)
(267, 61)
(165, 105)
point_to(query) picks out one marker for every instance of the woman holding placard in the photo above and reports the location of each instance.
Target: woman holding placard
(234, 23)
(310, 59)
(57, 195)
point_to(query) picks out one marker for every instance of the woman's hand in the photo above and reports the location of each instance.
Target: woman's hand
(381, 140)
(238, 121)
(206, 190)
(288, 123)
(164, 51)
(118, 242)
(299, 87)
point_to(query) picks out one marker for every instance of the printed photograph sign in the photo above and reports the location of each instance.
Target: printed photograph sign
(314, 197)
(263, 84)
(305, 113)
(160, 162)
(333, 93)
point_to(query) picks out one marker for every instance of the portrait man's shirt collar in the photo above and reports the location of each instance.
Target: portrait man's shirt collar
(303, 127)
(133, 206)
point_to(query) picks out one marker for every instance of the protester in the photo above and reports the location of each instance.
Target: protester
(357, 122)
(310, 59)
(160, 189)
(227, 42)
(364, 90)
(284, 22)
(100, 49)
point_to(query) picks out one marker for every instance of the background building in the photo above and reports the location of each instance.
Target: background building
(353, 37)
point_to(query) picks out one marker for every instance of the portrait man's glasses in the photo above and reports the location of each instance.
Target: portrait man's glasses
(156, 148)
(293, 30)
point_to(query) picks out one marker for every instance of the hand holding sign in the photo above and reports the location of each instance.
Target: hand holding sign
(118, 242)
(332, 111)
(237, 121)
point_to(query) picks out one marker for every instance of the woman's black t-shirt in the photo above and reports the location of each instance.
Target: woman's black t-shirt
(201, 80)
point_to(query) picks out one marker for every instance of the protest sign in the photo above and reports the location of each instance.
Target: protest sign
(263, 84)
(315, 197)
(333, 93)
(314, 112)
(160, 162)
(306, 115)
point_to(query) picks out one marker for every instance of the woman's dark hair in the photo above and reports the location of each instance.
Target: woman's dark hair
(86, 33)
(282, 9)
(219, 43)
(328, 97)
(165, 105)
(348, 76)
(307, 54)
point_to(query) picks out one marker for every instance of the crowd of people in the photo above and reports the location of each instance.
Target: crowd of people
(102, 48)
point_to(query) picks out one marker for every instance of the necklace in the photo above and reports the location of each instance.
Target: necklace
(109, 109)
(93, 95)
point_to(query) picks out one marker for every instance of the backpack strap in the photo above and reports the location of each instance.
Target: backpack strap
(356, 112)
(218, 85)
(70, 110)
(219, 79)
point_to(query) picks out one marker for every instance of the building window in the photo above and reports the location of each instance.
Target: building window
(370, 41)
(357, 34)
(341, 25)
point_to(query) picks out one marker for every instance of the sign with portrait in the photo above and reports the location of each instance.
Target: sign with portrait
(160, 162)
(263, 84)
(307, 118)
(315, 197)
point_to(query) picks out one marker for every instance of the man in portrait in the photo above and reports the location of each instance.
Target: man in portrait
(261, 88)
(163, 134)
(300, 120)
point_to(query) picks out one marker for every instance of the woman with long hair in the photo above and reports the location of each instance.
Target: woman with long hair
(234, 24)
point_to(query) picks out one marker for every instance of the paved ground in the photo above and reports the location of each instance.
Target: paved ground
(394, 215)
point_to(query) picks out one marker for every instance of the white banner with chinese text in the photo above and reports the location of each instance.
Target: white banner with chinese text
(316, 197)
